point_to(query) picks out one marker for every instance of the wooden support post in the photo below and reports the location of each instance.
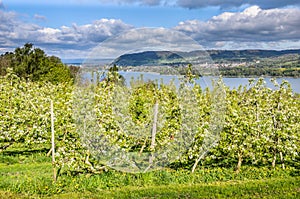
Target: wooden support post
(153, 135)
(53, 140)
(154, 127)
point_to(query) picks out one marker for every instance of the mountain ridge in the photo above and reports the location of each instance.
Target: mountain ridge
(168, 57)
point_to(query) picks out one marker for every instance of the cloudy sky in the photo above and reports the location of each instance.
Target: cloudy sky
(72, 28)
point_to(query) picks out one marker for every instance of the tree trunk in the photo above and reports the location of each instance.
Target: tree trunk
(239, 164)
(274, 160)
(198, 160)
(282, 160)
(49, 152)
(143, 147)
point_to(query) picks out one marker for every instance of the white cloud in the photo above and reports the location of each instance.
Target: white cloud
(40, 17)
(266, 4)
(193, 4)
(252, 28)
(144, 39)
(14, 33)
(252, 25)
(139, 2)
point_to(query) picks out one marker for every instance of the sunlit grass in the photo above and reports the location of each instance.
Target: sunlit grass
(23, 176)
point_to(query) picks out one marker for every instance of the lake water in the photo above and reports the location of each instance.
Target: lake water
(206, 81)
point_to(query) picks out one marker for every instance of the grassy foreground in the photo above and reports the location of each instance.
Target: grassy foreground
(270, 188)
(30, 176)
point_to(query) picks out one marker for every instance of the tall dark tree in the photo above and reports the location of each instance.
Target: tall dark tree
(33, 64)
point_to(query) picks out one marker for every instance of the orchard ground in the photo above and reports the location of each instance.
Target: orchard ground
(28, 174)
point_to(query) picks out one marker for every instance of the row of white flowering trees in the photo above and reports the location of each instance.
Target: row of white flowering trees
(261, 125)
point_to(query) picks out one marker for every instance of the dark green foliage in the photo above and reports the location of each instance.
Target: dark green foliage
(190, 74)
(257, 71)
(142, 98)
(113, 76)
(33, 64)
(247, 55)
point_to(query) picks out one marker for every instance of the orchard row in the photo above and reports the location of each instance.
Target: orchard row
(249, 125)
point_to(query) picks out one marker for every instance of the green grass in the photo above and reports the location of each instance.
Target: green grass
(30, 176)
(269, 188)
(274, 188)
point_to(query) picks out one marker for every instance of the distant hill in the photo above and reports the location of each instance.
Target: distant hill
(147, 58)
(166, 57)
(248, 55)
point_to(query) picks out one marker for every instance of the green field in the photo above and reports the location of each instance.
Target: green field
(29, 175)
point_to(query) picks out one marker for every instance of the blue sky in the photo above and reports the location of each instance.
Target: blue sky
(71, 28)
(56, 15)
